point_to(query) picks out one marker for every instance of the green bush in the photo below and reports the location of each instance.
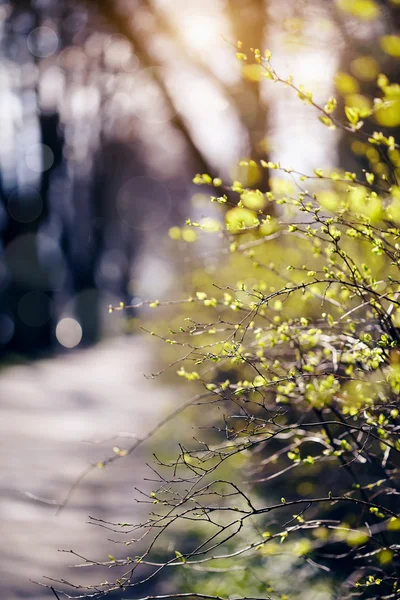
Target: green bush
(290, 487)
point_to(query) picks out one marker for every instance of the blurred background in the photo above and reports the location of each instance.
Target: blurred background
(108, 110)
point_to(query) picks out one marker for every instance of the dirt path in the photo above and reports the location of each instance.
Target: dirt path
(50, 412)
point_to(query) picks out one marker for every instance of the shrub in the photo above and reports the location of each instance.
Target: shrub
(290, 488)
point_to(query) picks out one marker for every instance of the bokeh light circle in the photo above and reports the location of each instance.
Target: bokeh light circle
(68, 332)
(25, 204)
(34, 308)
(39, 157)
(143, 203)
(42, 42)
(118, 54)
(132, 65)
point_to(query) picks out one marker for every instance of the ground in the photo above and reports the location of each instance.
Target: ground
(52, 412)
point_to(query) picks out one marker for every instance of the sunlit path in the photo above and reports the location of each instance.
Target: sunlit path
(52, 412)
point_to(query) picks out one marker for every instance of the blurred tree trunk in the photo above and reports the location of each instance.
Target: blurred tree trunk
(249, 23)
(117, 20)
(34, 334)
